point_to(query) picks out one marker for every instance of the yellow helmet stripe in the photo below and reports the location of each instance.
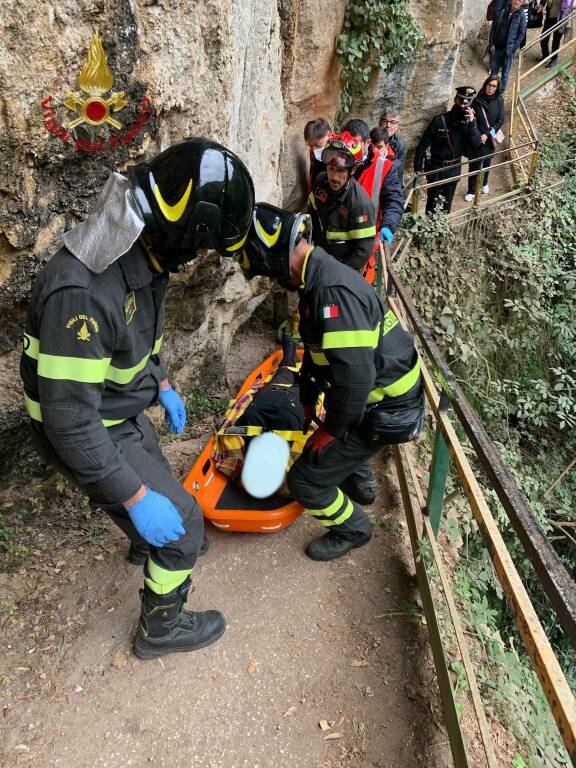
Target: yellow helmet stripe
(238, 245)
(270, 240)
(173, 212)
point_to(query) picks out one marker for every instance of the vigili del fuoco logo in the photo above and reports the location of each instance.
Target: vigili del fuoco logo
(97, 107)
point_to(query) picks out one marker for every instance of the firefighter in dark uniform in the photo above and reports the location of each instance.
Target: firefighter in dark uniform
(343, 216)
(90, 365)
(448, 136)
(358, 354)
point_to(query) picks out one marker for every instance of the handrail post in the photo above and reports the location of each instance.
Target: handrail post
(439, 468)
(533, 164)
(479, 181)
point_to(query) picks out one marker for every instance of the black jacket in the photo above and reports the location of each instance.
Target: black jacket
(448, 138)
(400, 150)
(391, 198)
(489, 114)
(355, 350)
(344, 223)
(90, 361)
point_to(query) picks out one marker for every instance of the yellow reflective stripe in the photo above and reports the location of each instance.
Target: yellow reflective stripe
(33, 408)
(319, 358)
(390, 321)
(238, 245)
(84, 370)
(173, 212)
(157, 345)
(312, 200)
(162, 581)
(352, 234)
(270, 240)
(327, 511)
(31, 346)
(305, 266)
(399, 387)
(35, 412)
(347, 339)
(341, 518)
(125, 375)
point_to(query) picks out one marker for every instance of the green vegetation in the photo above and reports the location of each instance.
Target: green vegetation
(500, 298)
(377, 34)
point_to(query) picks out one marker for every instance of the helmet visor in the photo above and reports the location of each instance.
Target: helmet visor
(338, 158)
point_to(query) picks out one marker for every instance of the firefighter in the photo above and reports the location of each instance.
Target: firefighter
(378, 177)
(448, 136)
(91, 365)
(358, 354)
(342, 214)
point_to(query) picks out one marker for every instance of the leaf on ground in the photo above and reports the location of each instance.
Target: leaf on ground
(333, 735)
(252, 664)
(359, 663)
(323, 626)
(341, 719)
(119, 659)
(324, 725)
(290, 711)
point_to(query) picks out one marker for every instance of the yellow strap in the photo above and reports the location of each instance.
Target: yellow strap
(399, 387)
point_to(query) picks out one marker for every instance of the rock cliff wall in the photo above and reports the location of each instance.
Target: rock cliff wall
(248, 73)
(424, 85)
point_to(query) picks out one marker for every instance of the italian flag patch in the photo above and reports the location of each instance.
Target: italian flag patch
(331, 310)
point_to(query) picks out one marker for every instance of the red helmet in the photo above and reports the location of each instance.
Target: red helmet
(342, 151)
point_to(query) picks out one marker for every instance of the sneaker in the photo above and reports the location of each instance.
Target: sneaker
(469, 197)
(485, 189)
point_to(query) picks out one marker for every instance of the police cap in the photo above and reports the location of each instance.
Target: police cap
(466, 92)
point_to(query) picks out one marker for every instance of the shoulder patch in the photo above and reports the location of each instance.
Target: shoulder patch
(343, 212)
(321, 194)
(86, 322)
(361, 219)
(329, 311)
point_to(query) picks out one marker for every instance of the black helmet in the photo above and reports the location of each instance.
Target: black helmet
(273, 235)
(196, 194)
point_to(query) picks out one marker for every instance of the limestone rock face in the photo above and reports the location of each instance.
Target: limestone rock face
(424, 85)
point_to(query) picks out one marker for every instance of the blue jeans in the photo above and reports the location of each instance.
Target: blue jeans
(500, 60)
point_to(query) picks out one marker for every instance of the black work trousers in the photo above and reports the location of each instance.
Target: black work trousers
(479, 164)
(315, 485)
(443, 194)
(137, 439)
(545, 41)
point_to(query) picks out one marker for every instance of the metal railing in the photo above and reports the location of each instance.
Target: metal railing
(424, 516)
(523, 88)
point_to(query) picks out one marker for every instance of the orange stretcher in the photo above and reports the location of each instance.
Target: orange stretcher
(224, 503)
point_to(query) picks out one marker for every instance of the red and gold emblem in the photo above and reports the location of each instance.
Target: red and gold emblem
(95, 79)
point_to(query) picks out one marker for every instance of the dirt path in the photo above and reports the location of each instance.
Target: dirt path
(306, 642)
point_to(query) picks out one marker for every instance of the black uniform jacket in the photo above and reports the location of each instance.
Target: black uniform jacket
(448, 138)
(344, 222)
(356, 351)
(90, 361)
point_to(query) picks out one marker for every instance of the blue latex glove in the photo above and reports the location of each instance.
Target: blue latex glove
(492, 133)
(386, 235)
(175, 416)
(156, 519)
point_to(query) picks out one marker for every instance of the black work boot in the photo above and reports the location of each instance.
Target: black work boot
(362, 491)
(138, 553)
(333, 545)
(165, 628)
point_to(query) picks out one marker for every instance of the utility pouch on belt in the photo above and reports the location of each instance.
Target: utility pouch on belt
(388, 424)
